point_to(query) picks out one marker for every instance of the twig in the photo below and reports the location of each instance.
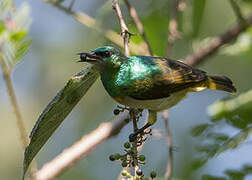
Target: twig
(173, 31)
(238, 12)
(93, 24)
(133, 113)
(169, 167)
(125, 32)
(20, 121)
(173, 35)
(87, 143)
(139, 25)
(216, 42)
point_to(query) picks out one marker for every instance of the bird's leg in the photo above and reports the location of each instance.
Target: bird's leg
(151, 120)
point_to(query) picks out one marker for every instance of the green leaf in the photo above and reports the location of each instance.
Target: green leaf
(2, 27)
(235, 175)
(21, 49)
(235, 141)
(240, 105)
(198, 130)
(199, 162)
(18, 36)
(57, 110)
(209, 177)
(218, 136)
(198, 10)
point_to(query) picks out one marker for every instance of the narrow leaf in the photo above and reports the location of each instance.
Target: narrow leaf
(57, 110)
(198, 10)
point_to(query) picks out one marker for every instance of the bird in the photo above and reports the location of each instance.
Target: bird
(147, 82)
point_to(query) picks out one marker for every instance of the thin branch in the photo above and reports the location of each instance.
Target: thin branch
(169, 167)
(173, 27)
(86, 144)
(125, 32)
(139, 25)
(173, 35)
(238, 12)
(134, 145)
(93, 24)
(133, 112)
(20, 121)
(217, 42)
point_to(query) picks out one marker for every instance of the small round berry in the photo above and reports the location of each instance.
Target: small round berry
(124, 173)
(132, 137)
(141, 158)
(111, 157)
(116, 111)
(139, 172)
(153, 174)
(124, 164)
(127, 145)
(117, 156)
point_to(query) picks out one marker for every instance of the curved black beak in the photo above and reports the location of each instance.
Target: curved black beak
(88, 57)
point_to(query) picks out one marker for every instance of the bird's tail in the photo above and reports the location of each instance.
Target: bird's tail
(220, 83)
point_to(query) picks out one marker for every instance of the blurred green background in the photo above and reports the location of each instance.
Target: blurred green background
(51, 60)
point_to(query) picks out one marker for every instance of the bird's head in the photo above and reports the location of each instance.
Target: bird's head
(103, 57)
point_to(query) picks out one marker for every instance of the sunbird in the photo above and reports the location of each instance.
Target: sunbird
(152, 83)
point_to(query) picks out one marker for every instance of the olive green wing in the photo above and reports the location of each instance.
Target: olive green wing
(173, 76)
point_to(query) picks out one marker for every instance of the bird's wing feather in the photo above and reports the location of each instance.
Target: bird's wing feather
(173, 77)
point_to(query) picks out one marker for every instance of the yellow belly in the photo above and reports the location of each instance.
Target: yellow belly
(156, 104)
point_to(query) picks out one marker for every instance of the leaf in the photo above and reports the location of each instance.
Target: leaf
(198, 130)
(210, 177)
(21, 49)
(237, 110)
(57, 110)
(18, 36)
(235, 175)
(199, 162)
(2, 27)
(235, 141)
(198, 10)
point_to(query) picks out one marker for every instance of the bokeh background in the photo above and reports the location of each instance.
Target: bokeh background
(51, 60)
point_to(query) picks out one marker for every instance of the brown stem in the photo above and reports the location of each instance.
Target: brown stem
(125, 32)
(20, 121)
(86, 144)
(133, 115)
(169, 167)
(139, 25)
(173, 27)
(238, 12)
(202, 54)
(93, 24)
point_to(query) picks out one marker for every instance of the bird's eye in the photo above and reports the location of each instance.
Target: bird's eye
(104, 53)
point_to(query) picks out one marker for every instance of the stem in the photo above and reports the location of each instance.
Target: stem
(169, 167)
(238, 12)
(202, 54)
(20, 122)
(91, 23)
(125, 32)
(173, 32)
(82, 147)
(133, 116)
(139, 25)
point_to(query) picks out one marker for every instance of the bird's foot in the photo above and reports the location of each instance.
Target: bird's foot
(140, 134)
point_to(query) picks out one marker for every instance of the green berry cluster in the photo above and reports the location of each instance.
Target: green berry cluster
(127, 158)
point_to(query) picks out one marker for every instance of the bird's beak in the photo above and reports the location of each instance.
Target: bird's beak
(89, 57)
